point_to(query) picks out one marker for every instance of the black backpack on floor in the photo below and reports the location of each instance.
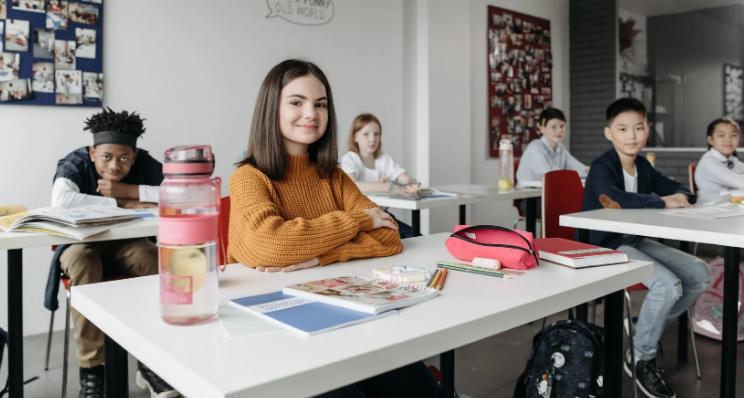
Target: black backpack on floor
(566, 361)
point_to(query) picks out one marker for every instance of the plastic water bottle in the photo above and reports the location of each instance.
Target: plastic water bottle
(506, 166)
(187, 236)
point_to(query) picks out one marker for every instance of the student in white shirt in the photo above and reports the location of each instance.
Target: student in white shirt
(368, 166)
(720, 169)
(547, 153)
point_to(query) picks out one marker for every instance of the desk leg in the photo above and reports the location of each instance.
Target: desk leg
(531, 216)
(15, 323)
(463, 214)
(447, 363)
(613, 345)
(582, 312)
(730, 310)
(682, 336)
(416, 222)
(117, 376)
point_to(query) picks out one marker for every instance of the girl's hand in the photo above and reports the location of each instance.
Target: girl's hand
(381, 219)
(313, 262)
(676, 201)
(384, 180)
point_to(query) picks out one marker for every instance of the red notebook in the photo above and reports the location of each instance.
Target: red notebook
(577, 255)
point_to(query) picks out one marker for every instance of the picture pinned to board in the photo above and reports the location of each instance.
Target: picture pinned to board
(15, 90)
(83, 13)
(69, 87)
(43, 77)
(520, 67)
(51, 52)
(64, 54)
(56, 16)
(44, 43)
(17, 33)
(29, 5)
(10, 65)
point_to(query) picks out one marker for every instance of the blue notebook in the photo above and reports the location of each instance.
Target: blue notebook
(304, 316)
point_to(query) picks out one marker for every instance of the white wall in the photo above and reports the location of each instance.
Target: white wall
(485, 169)
(230, 45)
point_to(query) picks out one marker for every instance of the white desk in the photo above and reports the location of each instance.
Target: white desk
(14, 243)
(485, 193)
(199, 361)
(727, 232)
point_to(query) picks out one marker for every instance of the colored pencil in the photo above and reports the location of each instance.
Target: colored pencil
(474, 270)
(442, 278)
(433, 278)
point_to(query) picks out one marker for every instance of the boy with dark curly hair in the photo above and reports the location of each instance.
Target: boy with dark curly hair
(112, 172)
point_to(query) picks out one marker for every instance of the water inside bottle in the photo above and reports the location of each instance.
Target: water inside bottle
(188, 283)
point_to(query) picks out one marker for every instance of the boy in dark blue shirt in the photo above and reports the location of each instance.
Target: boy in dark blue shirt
(621, 179)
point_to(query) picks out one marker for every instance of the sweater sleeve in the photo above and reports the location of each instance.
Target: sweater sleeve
(381, 242)
(259, 236)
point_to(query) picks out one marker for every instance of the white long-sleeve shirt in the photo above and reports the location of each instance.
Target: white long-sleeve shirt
(713, 174)
(539, 158)
(66, 193)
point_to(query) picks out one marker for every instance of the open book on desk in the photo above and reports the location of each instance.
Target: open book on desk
(76, 223)
(430, 193)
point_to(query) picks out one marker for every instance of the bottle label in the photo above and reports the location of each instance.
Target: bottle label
(177, 290)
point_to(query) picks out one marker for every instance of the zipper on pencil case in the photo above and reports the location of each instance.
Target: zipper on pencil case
(529, 251)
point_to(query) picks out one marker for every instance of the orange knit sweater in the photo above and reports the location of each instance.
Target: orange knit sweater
(280, 223)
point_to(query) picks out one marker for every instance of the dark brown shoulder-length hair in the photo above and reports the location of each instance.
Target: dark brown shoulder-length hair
(266, 147)
(358, 124)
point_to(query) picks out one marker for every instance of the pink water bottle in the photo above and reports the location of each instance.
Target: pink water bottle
(187, 236)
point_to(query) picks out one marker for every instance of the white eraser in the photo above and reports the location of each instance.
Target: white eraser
(489, 263)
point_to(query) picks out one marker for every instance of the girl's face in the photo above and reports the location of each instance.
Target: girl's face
(368, 138)
(725, 138)
(303, 113)
(553, 131)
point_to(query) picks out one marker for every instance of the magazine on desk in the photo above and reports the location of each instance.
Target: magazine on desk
(76, 223)
(430, 193)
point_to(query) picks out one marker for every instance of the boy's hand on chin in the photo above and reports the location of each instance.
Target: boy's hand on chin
(676, 201)
(118, 190)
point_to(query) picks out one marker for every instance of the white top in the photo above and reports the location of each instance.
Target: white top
(631, 181)
(654, 224)
(200, 361)
(713, 175)
(486, 194)
(65, 193)
(540, 158)
(385, 167)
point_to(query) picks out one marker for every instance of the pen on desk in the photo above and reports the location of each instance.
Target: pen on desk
(440, 285)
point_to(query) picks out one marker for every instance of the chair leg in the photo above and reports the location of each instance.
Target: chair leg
(543, 323)
(632, 347)
(594, 312)
(67, 347)
(694, 348)
(516, 222)
(694, 249)
(49, 342)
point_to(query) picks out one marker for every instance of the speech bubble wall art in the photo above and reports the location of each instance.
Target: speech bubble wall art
(302, 12)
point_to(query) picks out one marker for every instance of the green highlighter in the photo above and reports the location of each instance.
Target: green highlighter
(471, 269)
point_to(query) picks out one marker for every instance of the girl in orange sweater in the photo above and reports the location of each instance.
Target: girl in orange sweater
(292, 207)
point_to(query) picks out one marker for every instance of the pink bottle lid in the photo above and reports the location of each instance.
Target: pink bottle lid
(189, 161)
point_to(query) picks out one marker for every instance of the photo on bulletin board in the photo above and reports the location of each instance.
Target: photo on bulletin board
(733, 90)
(51, 52)
(520, 68)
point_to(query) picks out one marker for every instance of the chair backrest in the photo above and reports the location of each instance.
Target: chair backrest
(691, 171)
(224, 227)
(516, 202)
(562, 194)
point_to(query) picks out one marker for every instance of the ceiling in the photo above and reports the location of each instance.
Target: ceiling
(662, 7)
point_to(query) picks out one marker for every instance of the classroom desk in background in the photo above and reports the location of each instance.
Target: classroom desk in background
(486, 194)
(200, 361)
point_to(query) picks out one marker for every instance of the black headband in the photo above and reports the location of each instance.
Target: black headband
(114, 137)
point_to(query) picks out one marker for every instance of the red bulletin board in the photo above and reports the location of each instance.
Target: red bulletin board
(520, 77)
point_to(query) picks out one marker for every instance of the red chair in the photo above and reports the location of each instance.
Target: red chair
(691, 171)
(631, 334)
(562, 193)
(67, 284)
(224, 228)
